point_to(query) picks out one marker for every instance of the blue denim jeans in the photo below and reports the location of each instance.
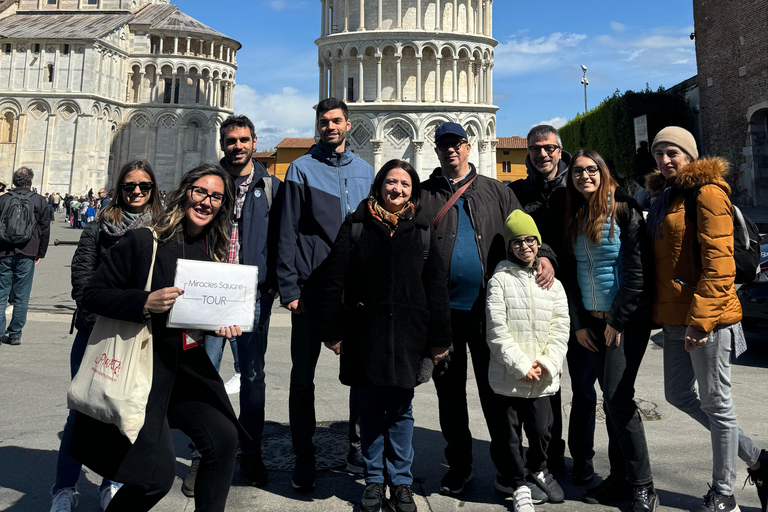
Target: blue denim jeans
(386, 434)
(67, 468)
(214, 347)
(16, 273)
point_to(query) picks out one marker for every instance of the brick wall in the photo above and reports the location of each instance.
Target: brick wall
(732, 57)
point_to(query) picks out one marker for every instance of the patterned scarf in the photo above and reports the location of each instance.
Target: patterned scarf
(390, 220)
(130, 221)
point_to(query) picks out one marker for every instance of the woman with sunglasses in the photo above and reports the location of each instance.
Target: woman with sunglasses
(609, 303)
(134, 207)
(186, 392)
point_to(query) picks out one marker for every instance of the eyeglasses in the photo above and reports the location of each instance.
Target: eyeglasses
(144, 186)
(530, 241)
(199, 194)
(592, 170)
(445, 146)
(549, 148)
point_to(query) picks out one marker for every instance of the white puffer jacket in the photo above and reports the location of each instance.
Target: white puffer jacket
(525, 324)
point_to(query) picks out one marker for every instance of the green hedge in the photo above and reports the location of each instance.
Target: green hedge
(609, 128)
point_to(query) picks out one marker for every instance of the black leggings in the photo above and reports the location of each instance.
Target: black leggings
(215, 436)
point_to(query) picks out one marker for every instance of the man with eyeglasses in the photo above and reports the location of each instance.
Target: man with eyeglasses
(252, 242)
(470, 234)
(542, 195)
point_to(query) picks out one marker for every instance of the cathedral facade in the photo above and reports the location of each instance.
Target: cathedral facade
(87, 85)
(406, 66)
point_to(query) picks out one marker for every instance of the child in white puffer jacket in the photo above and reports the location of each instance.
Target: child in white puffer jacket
(527, 332)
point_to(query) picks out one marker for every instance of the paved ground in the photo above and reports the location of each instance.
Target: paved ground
(34, 379)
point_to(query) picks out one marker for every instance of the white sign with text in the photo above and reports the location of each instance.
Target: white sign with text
(215, 295)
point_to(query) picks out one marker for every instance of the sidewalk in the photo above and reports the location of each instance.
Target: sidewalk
(34, 378)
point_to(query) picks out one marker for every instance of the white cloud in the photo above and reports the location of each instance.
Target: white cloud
(618, 27)
(555, 122)
(287, 113)
(523, 54)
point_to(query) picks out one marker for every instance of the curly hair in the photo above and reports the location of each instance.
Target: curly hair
(171, 222)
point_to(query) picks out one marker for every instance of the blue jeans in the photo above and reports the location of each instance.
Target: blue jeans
(67, 468)
(214, 347)
(386, 434)
(16, 273)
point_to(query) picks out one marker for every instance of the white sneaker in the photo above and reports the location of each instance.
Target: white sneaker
(106, 495)
(521, 500)
(233, 385)
(65, 500)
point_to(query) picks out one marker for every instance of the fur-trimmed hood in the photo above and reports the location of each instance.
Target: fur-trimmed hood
(706, 171)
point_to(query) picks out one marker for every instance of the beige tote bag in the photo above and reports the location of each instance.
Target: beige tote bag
(115, 376)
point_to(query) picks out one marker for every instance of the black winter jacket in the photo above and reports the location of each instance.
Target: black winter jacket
(635, 296)
(93, 245)
(117, 291)
(490, 203)
(544, 200)
(37, 246)
(384, 301)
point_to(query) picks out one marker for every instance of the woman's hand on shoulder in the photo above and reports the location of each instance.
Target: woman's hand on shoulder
(233, 331)
(334, 346)
(546, 274)
(162, 300)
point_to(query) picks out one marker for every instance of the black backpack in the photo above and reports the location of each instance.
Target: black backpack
(17, 219)
(746, 240)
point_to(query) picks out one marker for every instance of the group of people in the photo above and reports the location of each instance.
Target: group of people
(400, 279)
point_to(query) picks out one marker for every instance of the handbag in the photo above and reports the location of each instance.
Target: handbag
(115, 376)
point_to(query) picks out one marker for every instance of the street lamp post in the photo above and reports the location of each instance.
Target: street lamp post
(586, 83)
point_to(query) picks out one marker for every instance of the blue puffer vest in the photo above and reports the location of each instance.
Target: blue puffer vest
(600, 268)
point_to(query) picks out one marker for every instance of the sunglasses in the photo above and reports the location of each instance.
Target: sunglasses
(144, 186)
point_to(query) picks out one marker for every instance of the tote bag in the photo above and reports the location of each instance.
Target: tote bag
(114, 379)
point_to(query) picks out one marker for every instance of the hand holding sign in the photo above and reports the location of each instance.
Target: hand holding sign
(162, 300)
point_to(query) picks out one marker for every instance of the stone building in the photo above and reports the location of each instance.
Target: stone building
(405, 67)
(87, 85)
(732, 60)
(510, 158)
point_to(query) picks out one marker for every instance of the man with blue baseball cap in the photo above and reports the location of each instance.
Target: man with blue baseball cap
(468, 213)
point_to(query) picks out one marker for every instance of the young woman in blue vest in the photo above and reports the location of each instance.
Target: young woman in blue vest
(609, 303)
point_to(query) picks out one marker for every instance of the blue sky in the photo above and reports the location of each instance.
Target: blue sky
(537, 74)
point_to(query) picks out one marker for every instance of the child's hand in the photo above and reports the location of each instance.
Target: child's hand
(542, 371)
(533, 374)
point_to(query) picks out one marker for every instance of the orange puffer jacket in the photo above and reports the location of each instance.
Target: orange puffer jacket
(687, 294)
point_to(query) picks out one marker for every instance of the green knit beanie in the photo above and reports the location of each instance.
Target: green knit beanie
(519, 223)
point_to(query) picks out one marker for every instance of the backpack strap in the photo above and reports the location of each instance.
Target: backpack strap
(357, 230)
(447, 206)
(425, 242)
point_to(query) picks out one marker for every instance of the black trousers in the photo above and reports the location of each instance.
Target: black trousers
(215, 436)
(469, 332)
(617, 368)
(534, 415)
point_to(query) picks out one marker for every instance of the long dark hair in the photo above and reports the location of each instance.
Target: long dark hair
(113, 212)
(171, 222)
(588, 217)
(378, 181)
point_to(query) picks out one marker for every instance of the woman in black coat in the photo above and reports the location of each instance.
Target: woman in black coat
(136, 204)
(186, 392)
(386, 306)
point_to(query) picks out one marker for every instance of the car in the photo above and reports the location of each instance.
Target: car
(754, 296)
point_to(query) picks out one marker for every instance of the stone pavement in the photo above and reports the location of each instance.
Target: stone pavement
(34, 378)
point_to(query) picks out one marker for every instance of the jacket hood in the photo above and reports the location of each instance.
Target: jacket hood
(706, 171)
(328, 156)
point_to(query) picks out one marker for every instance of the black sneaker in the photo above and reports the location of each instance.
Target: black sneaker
(583, 472)
(759, 477)
(644, 499)
(401, 499)
(355, 460)
(188, 487)
(549, 485)
(373, 498)
(253, 470)
(714, 502)
(304, 474)
(455, 481)
(11, 341)
(610, 490)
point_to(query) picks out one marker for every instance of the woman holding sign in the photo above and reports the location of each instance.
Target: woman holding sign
(186, 392)
(385, 307)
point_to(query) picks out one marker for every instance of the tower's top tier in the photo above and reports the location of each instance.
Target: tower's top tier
(469, 17)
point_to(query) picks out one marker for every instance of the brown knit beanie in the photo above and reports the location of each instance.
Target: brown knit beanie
(680, 137)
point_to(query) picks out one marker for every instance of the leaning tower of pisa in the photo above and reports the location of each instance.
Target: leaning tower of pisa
(406, 66)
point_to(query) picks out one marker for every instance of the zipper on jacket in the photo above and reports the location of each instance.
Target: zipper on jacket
(346, 192)
(591, 271)
(531, 289)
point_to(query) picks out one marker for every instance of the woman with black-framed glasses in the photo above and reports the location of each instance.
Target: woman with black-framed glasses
(610, 303)
(135, 206)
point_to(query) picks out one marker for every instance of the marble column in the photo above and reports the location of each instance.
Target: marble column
(221, 52)
(25, 80)
(455, 80)
(345, 85)
(181, 145)
(490, 18)
(399, 77)
(378, 146)
(438, 80)
(346, 15)
(481, 98)
(381, 15)
(321, 74)
(140, 92)
(378, 78)
(418, 15)
(129, 87)
(360, 79)
(175, 45)
(362, 15)
(490, 83)
(189, 44)
(160, 46)
(12, 70)
(56, 59)
(418, 145)
(323, 18)
(482, 147)
(479, 17)
(455, 23)
(419, 96)
(471, 79)
(41, 67)
(399, 14)
(438, 16)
